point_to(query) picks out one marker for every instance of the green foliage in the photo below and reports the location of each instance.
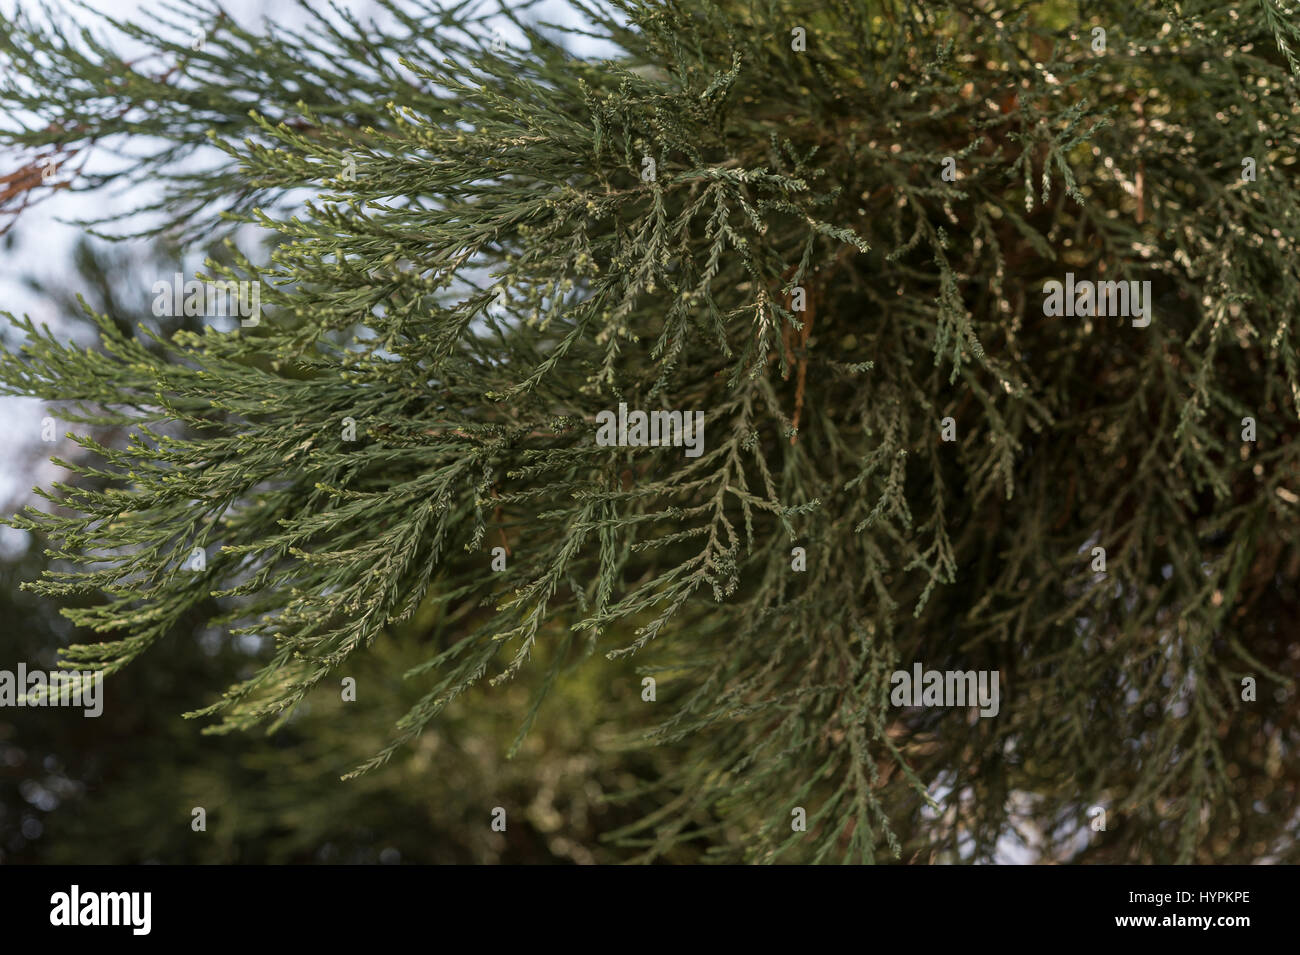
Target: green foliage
(122, 787)
(484, 176)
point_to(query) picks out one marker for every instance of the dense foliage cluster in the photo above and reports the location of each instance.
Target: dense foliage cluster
(477, 246)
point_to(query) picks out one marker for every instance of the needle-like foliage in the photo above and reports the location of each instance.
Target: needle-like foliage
(742, 210)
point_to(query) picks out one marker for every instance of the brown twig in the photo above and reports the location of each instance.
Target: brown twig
(803, 364)
(20, 184)
(496, 519)
(1140, 181)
